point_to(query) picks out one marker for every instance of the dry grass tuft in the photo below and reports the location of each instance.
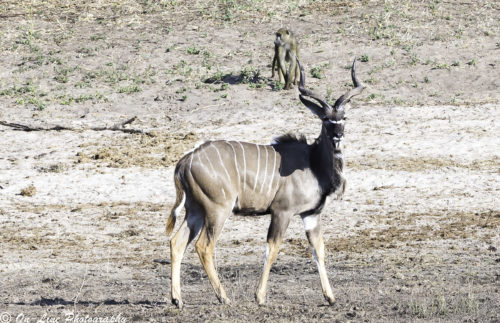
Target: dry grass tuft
(28, 191)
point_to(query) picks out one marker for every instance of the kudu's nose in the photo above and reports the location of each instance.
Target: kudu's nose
(337, 142)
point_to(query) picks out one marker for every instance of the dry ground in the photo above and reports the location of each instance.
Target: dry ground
(82, 212)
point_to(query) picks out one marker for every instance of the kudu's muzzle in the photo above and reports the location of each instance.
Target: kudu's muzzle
(337, 143)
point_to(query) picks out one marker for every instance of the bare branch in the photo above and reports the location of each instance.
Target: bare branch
(30, 128)
(116, 127)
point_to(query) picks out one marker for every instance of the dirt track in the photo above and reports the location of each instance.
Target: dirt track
(83, 212)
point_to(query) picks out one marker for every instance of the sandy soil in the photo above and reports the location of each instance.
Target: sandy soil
(82, 212)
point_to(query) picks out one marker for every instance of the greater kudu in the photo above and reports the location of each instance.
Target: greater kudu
(288, 177)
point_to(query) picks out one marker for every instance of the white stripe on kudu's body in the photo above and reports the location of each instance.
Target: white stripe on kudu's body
(258, 167)
(265, 171)
(244, 166)
(190, 162)
(209, 162)
(235, 161)
(221, 162)
(217, 179)
(274, 171)
(200, 162)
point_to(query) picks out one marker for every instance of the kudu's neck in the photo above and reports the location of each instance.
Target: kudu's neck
(326, 163)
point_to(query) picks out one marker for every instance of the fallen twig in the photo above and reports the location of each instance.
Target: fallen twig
(116, 127)
(14, 15)
(29, 128)
(119, 127)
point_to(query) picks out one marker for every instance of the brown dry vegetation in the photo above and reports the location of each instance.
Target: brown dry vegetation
(82, 213)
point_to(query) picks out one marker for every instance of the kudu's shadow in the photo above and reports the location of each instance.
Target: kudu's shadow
(60, 301)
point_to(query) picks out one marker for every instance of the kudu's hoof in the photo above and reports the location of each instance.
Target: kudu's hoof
(178, 303)
(261, 300)
(330, 300)
(224, 300)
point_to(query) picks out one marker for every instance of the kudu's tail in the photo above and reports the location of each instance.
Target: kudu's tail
(180, 198)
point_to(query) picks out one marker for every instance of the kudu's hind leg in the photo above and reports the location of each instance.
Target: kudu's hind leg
(186, 233)
(315, 237)
(277, 229)
(205, 247)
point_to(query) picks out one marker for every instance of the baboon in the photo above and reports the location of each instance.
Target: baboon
(286, 49)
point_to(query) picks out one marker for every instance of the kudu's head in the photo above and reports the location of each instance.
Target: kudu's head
(333, 117)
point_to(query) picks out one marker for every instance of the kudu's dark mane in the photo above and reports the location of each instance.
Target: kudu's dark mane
(289, 138)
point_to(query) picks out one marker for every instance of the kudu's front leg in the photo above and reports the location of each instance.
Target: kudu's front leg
(315, 237)
(279, 224)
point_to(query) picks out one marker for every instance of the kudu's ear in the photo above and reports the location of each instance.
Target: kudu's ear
(316, 109)
(320, 110)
